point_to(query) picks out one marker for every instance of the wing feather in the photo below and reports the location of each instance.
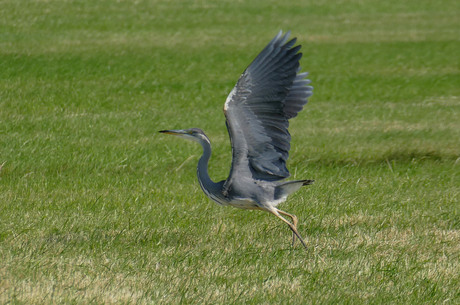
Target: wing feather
(269, 92)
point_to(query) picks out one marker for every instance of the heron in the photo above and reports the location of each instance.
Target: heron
(271, 91)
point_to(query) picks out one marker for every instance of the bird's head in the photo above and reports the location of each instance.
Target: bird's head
(194, 134)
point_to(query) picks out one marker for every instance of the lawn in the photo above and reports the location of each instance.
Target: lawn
(97, 207)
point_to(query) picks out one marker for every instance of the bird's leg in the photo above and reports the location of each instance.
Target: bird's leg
(277, 212)
(294, 222)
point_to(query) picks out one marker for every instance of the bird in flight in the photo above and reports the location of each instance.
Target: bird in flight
(269, 93)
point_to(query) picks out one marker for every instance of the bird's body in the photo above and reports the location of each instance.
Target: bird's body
(269, 93)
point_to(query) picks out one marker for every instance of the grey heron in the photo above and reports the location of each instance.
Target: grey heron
(270, 91)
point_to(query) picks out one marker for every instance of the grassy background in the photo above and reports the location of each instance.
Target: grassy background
(97, 207)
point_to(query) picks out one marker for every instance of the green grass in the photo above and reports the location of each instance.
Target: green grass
(97, 207)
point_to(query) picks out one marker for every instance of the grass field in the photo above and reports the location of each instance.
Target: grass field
(97, 207)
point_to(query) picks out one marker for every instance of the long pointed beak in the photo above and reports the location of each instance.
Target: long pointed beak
(177, 132)
(173, 132)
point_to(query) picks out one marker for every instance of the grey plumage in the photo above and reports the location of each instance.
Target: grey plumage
(268, 93)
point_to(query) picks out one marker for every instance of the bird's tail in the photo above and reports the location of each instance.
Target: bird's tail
(285, 189)
(307, 182)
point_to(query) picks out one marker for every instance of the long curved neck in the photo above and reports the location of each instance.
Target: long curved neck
(202, 169)
(209, 187)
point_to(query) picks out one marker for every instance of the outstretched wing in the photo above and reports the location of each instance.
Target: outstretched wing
(269, 92)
